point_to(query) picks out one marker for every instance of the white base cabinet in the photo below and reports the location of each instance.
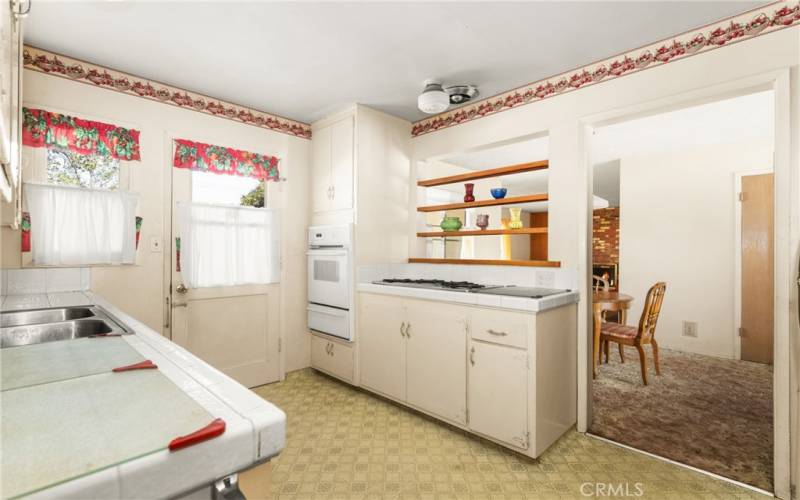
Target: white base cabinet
(435, 348)
(333, 357)
(498, 393)
(406, 345)
(507, 376)
(381, 353)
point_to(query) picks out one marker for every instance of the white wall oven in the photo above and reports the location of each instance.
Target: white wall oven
(330, 280)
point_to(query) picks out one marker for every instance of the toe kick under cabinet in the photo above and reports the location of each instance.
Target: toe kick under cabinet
(508, 376)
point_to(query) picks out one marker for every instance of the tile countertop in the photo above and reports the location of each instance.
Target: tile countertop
(478, 299)
(255, 429)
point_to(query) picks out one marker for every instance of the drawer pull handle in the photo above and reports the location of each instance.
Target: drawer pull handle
(499, 334)
(402, 329)
(408, 330)
(472, 356)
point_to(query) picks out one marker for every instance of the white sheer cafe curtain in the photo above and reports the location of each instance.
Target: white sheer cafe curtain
(227, 245)
(80, 226)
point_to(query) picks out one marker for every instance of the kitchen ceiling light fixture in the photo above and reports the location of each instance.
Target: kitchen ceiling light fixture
(436, 99)
(433, 99)
(459, 94)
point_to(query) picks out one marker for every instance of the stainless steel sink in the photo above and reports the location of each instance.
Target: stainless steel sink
(38, 316)
(36, 326)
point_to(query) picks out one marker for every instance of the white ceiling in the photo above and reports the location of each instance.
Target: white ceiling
(304, 60)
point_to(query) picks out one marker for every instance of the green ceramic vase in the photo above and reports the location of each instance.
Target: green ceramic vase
(450, 224)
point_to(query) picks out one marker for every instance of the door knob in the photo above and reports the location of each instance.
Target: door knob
(181, 288)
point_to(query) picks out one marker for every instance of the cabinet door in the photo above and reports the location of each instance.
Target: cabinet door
(436, 370)
(321, 170)
(381, 346)
(332, 357)
(342, 162)
(498, 392)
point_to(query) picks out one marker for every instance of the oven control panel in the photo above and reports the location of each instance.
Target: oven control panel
(338, 235)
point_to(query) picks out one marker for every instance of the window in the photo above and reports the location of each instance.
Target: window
(209, 187)
(68, 168)
(80, 212)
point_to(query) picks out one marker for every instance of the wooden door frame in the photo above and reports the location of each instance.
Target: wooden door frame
(786, 238)
(166, 220)
(737, 256)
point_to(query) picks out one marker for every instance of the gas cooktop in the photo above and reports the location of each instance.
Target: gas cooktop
(463, 286)
(466, 286)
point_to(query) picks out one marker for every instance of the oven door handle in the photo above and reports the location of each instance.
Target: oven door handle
(339, 313)
(326, 253)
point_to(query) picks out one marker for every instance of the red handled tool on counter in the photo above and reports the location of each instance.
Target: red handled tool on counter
(212, 430)
(144, 365)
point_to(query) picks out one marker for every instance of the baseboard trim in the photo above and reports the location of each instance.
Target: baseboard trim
(680, 464)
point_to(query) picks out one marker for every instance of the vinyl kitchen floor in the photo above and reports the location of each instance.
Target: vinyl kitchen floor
(345, 443)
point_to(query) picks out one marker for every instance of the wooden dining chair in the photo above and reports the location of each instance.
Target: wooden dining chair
(600, 283)
(638, 337)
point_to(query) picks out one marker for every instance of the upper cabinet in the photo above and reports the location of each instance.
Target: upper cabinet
(333, 166)
(11, 104)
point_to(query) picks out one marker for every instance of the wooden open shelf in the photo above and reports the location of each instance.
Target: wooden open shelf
(487, 232)
(485, 174)
(485, 203)
(488, 262)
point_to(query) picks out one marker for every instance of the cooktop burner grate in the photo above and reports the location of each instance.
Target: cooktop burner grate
(455, 285)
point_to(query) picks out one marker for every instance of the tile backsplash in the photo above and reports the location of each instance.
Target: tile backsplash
(546, 277)
(34, 281)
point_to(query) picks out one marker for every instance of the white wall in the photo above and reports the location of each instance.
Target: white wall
(677, 224)
(140, 290)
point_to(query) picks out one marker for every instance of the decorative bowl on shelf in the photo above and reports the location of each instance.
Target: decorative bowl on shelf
(498, 193)
(450, 224)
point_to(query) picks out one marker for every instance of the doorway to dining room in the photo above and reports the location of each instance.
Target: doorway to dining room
(681, 263)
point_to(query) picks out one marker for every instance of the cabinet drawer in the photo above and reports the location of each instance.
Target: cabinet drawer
(334, 358)
(501, 327)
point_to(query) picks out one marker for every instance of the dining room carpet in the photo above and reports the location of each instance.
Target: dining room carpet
(714, 414)
(345, 443)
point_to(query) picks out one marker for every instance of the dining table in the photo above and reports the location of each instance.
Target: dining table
(606, 301)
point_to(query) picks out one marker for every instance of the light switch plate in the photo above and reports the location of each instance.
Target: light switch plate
(155, 244)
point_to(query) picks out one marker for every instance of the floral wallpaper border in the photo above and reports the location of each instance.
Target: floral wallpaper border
(73, 69)
(767, 19)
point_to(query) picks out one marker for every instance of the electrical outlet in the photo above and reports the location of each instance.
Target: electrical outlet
(689, 329)
(545, 279)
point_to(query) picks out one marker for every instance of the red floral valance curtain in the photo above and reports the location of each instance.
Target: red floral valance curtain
(222, 160)
(42, 129)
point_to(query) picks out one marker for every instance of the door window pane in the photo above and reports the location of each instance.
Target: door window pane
(218, 189)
